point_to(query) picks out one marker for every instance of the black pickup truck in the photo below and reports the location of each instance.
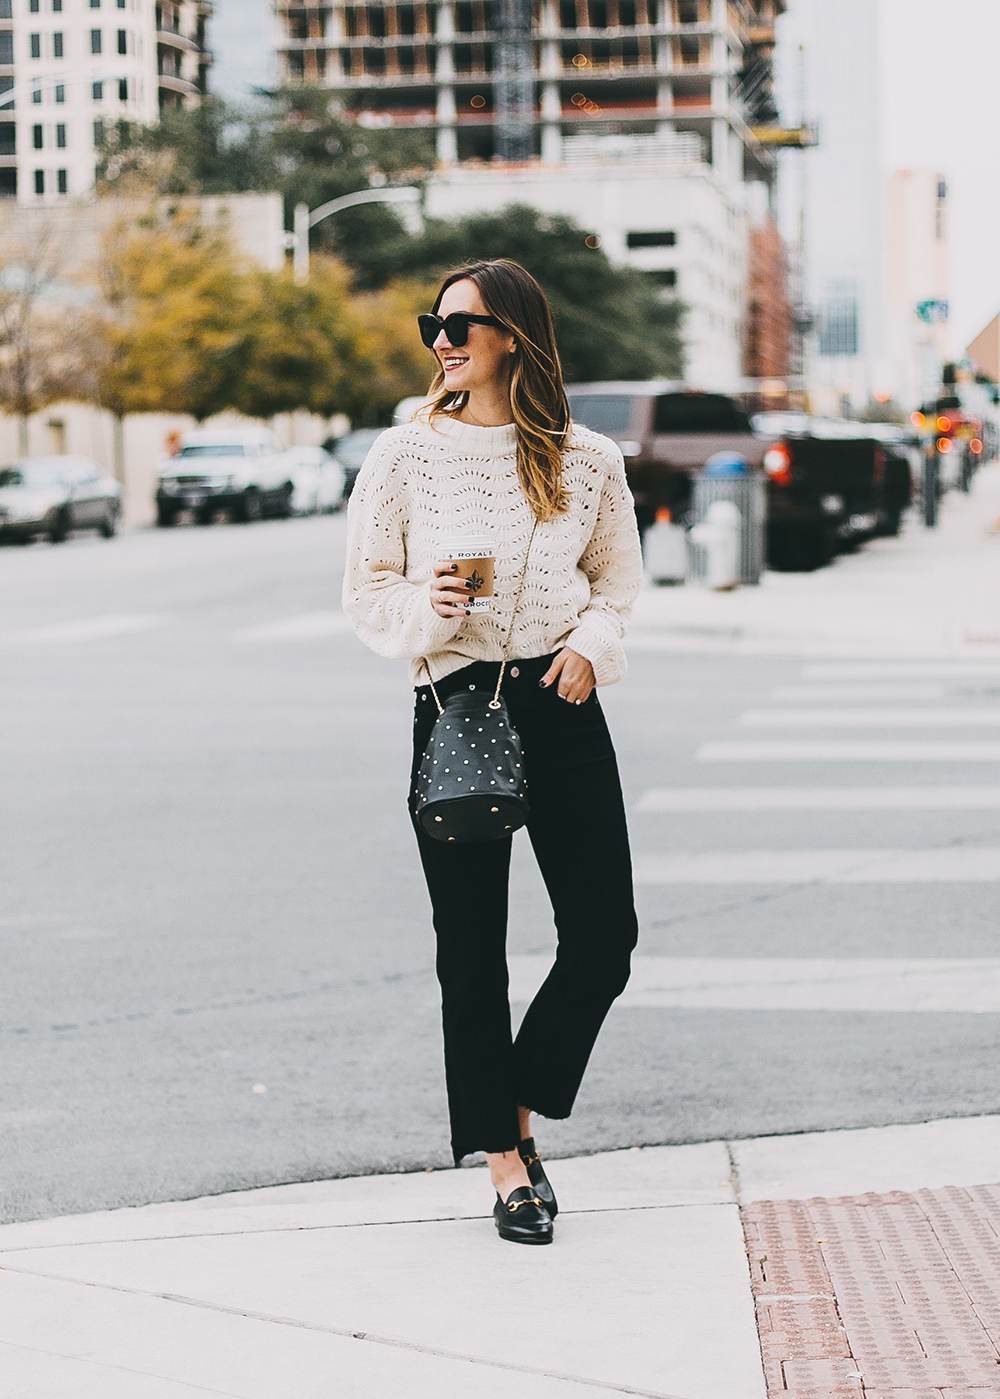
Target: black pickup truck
(832, 484)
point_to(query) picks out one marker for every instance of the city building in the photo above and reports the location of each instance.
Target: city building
(767, 331)
(654, 204)
(183, 57)
(916, 286)
(511, 78)
(833, 198)
(639, 118)
(67, 67)
(984, 351)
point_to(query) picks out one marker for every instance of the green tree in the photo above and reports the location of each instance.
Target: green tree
(171, 330)
(299, 141)
(213, 148)
(323, 348)
(302, 347)
(612, 322)
(394, 362)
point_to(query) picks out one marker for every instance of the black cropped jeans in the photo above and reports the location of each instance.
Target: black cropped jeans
(578, 833)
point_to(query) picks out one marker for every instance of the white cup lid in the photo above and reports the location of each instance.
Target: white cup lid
(472, 544)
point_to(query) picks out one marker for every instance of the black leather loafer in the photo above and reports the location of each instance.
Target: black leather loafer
(523, 1219)
(536, 1174)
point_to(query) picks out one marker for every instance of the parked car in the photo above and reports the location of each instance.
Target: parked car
(832, 484)
(351, 451)
(406, 407)
(667, 432)
(244, 471)
(318, 480)
(901, 475)
(55, 495)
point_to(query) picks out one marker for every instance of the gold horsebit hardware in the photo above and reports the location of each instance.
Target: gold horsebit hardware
(532, 1160)
(518, 1203)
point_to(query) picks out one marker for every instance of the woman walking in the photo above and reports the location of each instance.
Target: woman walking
(495, 454)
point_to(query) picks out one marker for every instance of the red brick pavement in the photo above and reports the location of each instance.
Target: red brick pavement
(886, 1296)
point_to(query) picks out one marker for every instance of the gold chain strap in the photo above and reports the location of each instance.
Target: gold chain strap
(495, 701)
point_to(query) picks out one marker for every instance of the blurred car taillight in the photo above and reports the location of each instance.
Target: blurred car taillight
(778, 464)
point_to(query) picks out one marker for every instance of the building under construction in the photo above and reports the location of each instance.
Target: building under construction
(511, 80)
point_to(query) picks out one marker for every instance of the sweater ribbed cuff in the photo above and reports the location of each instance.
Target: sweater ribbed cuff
(605, 653)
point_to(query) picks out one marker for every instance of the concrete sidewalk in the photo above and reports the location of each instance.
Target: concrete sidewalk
(398, 1285)
(928, 593)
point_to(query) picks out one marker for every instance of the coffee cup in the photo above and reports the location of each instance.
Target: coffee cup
(473, 556)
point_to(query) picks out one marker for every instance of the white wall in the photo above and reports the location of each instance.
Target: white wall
(256, 222)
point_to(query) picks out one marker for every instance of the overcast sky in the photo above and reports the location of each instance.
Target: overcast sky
(939, 111)
(240, 32)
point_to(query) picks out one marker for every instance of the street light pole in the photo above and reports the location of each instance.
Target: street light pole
(304, 220)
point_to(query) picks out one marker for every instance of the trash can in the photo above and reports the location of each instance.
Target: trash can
(728, 476)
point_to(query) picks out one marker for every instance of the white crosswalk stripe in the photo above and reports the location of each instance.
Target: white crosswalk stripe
(858, 693)
(849, 751)
(961, 864)
(308, 626)
(973, 717)
(666, 799)
(86, 629)
(970, 985)
(902, 670)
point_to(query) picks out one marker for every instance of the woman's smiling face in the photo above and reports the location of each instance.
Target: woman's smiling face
(485, 359)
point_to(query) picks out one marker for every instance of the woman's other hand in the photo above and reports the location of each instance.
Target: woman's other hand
(575, 675)
(449, 595)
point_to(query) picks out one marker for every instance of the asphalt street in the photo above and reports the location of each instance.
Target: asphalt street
(218, 964)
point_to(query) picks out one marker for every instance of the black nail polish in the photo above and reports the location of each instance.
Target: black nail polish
(468, 612)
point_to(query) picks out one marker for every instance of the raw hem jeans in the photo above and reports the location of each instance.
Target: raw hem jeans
(578, 833)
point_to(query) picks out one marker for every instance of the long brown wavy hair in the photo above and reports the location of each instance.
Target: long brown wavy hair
(537, 397)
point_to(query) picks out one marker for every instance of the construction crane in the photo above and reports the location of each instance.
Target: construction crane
(514, 82)
(792, 137)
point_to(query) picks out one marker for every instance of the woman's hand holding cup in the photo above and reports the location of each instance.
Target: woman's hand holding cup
(449, 594)
(463, 580)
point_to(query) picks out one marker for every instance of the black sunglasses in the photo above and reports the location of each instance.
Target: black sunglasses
(455, 327)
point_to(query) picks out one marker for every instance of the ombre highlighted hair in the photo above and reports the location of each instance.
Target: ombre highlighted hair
(537, 397)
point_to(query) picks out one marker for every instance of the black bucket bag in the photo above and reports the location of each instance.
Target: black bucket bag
(471, 784)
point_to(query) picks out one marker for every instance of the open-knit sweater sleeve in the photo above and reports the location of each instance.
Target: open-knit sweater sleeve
(390, 611)
(612, 564)
(423, 482)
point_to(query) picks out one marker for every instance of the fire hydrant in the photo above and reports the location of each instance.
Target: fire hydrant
(719, 536)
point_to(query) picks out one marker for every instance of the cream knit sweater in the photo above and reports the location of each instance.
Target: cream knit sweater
(423, 483)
